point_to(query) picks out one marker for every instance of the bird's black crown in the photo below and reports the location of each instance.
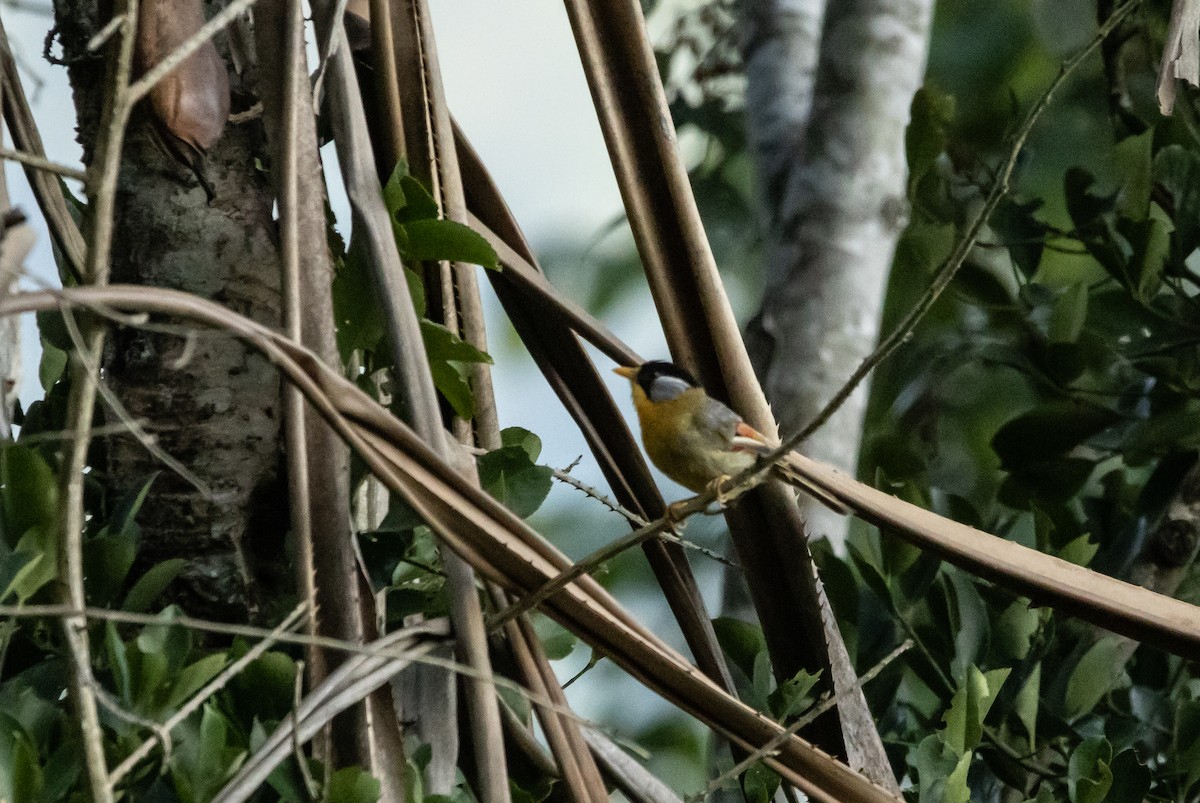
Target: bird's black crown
(654, 369)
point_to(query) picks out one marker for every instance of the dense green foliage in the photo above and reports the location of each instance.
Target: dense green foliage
(1051, 396)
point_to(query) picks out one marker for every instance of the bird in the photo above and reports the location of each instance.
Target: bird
(696, 440)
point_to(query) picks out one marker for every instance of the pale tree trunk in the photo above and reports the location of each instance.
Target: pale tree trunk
(827, 134)
(833, 182)
(213, 403)
(16, 240)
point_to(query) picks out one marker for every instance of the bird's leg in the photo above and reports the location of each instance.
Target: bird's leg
(722, 493)
(676, 514)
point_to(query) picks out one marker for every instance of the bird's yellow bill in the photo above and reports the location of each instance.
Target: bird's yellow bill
(626, 371)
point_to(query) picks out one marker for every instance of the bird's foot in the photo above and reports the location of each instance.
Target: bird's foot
(723, 491)
(676, 514)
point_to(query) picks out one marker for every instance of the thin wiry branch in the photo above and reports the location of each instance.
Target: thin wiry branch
(564, 476)
(42, 163)
(963, 247)
(131, 425)
(47, 190)
(380, 648)
(81, 403)
(828, 702)
(208, 690)
(606, 553)
(495, 541)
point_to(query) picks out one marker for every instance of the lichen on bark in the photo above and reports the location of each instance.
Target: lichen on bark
(211, 402)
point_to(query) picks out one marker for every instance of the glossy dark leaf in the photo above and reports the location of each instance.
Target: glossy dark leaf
(1048, 431)
(1089, 771)
(1177, 172)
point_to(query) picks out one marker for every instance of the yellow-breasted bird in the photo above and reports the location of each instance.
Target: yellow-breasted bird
(695, 439)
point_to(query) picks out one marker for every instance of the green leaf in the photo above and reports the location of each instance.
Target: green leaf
(1151, 243)
(357, 313)
(41, 545)
(1048, 431)
(1079, 551)
(925, 138)
(438, 240)
(203, 760)
(941, 772)
(169, 640)
(969, 707)
(51, 366)
(761, 682)
(512, 478)
(792, 696)
(446, 352)
(1131, 779)
(123, 520)
(1186, 741)
(152, 584)
(266, 687)
(759, 784)
(193, 677)
(107, 559)
(557, 641)
(406, 198)
(1028, 701)
(1172, 430)
(1045, 795)
(1068, 314)
(540, 791)
(1132, 158)
(28, 492)
(1177, 171)
(516, 436)
(971, 625)
(740, 641)
(1089, 771)
(53, 330)
(11, 567)
(1025, 235)
(118, 661)
(20, 768)
(1096, 674)
(1013, 632)
(353, 785)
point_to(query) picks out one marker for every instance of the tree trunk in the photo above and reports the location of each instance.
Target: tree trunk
(213, 403)
(834, 190)
(16, 239)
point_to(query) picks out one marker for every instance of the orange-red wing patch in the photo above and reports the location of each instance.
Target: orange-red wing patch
(744, 430)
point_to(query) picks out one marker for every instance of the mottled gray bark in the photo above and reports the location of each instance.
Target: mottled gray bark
(835, 201)
(213, 403)
(827, 136)
(16, 240)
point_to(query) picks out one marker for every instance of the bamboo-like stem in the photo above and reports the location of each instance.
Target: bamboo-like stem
(42, 163)
(428, 124)
(46, 188)
(703, 336)
(494, 540)
(81, 402)
(500, 544)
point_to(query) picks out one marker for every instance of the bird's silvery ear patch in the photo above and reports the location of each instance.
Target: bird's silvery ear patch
(665, 388)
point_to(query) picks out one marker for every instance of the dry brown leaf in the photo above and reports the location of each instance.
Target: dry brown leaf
(191, 104)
